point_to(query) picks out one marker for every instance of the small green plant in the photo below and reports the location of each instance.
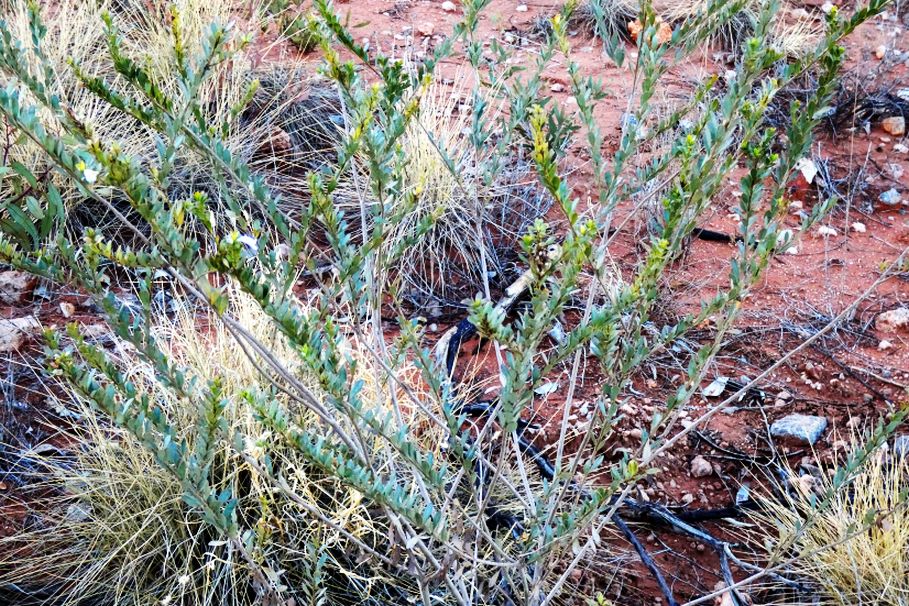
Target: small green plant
(295, 25)
(334, 426)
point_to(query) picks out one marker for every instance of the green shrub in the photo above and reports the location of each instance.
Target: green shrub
(339, 465)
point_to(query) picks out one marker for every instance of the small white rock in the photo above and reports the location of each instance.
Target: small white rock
(521, 8)
(894, 125)
(67, 309)
(449, 7)
(716, 387)
(892, 320)
(884, 345)
(826, 231)
(859, 227)
(891, 197)
(808, 169)
(827, 7)
(700, 467)
(14, 332)
(15, 286)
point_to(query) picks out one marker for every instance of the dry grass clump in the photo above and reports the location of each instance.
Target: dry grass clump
(118, 531)
(792, 36)
(301, 118)
(730, 35)
(478, 216)
(294, 23)
(616, 15)
(795, 37)
(75, 32)
(851, 542)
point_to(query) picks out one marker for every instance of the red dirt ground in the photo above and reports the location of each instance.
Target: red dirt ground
(846, 378)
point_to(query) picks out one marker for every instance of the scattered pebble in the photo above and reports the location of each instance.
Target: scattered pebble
(800, 428)
(880, 51)
(15, 286)
(900, 148)
(67, 309)
(826, 231)
(859, 227)
(449, 7)
(894, 125)
(884, 345)
(521, 8)
(427, 29)
(892, 320)
(891, 197)
(700, 467)
(15, 331)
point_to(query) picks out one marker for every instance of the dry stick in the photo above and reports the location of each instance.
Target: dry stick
(646, 559)
(306, 398)
(878, 377)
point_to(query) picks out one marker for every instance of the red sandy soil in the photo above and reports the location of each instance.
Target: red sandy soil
(846, 378)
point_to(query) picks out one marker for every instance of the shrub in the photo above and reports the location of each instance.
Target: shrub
(369, 438)
(120, 532)
(476, 218)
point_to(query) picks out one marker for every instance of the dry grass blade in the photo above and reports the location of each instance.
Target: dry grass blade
(815, 522)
